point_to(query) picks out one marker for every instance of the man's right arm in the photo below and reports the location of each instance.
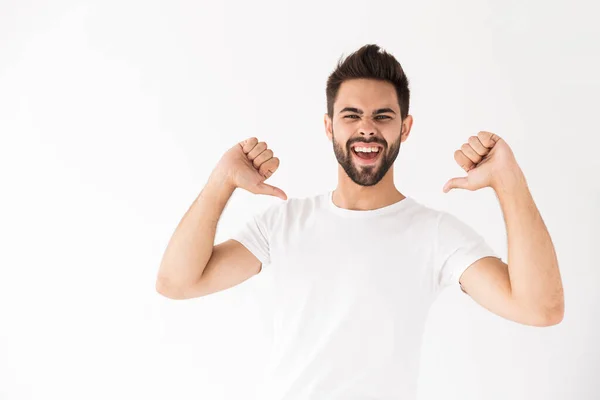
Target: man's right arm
(192, 265)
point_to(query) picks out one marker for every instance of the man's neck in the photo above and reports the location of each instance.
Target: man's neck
(351, 196)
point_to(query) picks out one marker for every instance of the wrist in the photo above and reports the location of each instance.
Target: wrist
(509, 181)
(223, 179)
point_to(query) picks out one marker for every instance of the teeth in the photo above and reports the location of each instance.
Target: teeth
(367, 149)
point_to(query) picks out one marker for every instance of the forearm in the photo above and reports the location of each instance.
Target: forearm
(533, 267)
(191, 245)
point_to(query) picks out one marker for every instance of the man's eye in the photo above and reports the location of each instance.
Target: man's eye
(351, 116)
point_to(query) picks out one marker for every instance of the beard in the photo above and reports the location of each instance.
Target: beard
(366, 175)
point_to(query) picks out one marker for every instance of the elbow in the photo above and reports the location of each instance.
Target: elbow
(544, 311)
(556, 317)
(556, 320)
(166, 288)
(555, 313)
(547, 321)
(551, 316)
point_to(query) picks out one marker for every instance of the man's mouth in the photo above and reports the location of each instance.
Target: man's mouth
(367, 153)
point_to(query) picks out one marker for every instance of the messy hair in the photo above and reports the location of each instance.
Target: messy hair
(369, 62)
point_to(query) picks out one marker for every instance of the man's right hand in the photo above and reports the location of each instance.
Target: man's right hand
(247, 165)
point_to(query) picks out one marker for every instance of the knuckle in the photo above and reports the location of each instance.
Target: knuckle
(249, 144)
(485, 135)
(266, 172)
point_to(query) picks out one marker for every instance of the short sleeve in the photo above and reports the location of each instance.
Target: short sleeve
(255, 234)
(458, 246)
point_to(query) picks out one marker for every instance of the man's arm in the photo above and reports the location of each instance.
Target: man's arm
(529, 288)
(192, 266)
(191, 246)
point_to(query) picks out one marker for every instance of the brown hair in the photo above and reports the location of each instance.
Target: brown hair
(371, 62)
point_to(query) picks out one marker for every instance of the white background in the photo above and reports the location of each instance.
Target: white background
(113, 114)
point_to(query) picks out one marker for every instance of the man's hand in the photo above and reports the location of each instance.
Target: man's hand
(488, 161)
(247, 165)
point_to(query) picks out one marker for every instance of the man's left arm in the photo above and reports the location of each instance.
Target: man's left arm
(529, 288)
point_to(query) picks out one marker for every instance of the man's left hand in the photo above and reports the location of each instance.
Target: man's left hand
(488, 161)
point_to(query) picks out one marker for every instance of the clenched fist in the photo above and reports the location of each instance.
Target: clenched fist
(488, 161)
(247, 165)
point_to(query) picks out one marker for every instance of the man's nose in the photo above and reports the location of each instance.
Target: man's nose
(367, 129)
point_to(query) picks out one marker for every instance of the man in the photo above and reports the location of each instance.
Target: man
(357, 268)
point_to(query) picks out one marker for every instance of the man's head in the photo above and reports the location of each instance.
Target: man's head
(367, 113)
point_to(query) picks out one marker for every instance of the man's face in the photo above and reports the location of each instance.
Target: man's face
(366, 129)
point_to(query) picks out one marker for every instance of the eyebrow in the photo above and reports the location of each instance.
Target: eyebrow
(359, 111)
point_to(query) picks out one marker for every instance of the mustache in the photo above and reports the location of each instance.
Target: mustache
(373, 140)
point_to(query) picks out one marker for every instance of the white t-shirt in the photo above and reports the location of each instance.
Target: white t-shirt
(352, 293)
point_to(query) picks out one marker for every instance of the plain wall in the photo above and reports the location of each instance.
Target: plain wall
(113, 114)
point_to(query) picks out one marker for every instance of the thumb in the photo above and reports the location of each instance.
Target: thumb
(456, 183)
(264, 188)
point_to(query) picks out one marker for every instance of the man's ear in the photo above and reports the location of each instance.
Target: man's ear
(328, 126)
(406, 127)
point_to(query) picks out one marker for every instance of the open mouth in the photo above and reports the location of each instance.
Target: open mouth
(367, 152)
